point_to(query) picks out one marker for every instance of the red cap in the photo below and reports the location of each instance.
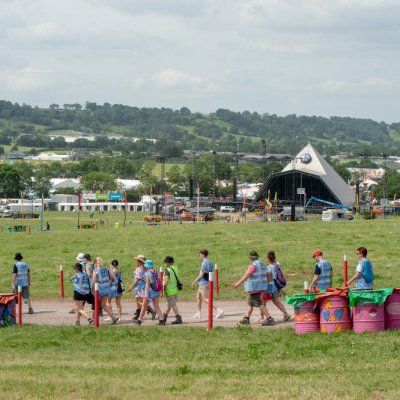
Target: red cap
(317, 253)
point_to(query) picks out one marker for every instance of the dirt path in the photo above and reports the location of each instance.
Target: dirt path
(57, 313)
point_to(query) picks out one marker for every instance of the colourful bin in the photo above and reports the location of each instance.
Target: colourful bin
(392, 310)
(368, 317)
(306, 318)
(335, 314)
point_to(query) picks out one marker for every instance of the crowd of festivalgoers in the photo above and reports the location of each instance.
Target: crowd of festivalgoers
(262, 281)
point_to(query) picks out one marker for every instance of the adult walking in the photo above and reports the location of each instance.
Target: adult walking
(171, 278)
(139, 286)
(202, 280)
(364, 276)
(22, 277)
(82, 294)
(273, 291)
(322, 272)
(117, 288)
(152, 293)
(255, 283)
(101, 275)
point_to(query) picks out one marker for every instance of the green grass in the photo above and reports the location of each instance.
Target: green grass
(190, 363)
(229, 245)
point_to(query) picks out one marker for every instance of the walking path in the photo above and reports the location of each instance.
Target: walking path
(57, 313)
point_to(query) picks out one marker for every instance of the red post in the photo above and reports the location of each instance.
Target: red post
(19, 305)
(210, 301)
(161, 276)
(61, 282)
(96, 305)
(216, 280)
(345, 272)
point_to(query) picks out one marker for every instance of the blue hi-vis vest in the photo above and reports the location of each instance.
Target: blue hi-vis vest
(22, 274)
(324, 280)
(80, 283)
(258, 281)
(103, 279)
(89, 266)
(367, 276)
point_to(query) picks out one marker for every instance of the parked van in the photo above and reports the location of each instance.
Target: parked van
(227, 209)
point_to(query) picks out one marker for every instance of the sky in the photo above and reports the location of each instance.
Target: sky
(304, 57)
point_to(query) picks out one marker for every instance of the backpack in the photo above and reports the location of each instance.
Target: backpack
(155, 282)
(367, 273)
(280, 281)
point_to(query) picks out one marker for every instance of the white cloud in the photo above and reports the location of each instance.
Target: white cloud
(337, 86)
(377, 83)
(26, 79)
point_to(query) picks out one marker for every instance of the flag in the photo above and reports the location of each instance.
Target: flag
(276, 198)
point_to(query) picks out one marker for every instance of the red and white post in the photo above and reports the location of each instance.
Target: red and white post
(345, 272)
(96, 305)
(19, 305)
(216, 280)
(61, 281)
(210, 300)
(161, 276)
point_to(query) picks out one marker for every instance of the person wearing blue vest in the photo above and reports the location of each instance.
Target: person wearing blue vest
(322, 272)
(364, 276)
(81, 287)
(255, 283)
(202, 280)
(101, 275)
(22, 277)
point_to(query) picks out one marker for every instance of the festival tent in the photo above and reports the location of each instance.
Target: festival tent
(308, 174)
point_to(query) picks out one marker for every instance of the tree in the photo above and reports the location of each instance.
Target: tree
(177, 180)
(146, 176)
(10, 181)
(98, 181)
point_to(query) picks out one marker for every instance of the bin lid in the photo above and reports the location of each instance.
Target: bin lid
(298, 299)
(377, 297)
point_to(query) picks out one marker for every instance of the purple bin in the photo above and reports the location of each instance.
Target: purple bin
(335, 314)
(392, 310)
(306, 318)
(368, 317)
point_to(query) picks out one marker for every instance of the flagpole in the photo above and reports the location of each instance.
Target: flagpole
(198, 203)
(79, 208)
(126, 206)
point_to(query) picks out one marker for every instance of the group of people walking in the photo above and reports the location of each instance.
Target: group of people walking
(262, 281)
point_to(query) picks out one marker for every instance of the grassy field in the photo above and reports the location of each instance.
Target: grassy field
(229, 245)
(188, 363)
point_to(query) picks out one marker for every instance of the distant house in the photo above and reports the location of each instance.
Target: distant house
(52, 157)
(127, 184)
(15, 155)
(59, 183)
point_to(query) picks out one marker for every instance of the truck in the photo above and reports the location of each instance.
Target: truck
(15, 209)
(335, 214)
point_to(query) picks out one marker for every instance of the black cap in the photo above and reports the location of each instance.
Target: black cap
(18, 257)
(87, 256)
(114, 263)
(169, 260)
(254, 254)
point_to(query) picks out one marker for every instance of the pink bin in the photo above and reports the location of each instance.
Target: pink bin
(392, 310)
(367, 317)
(335, 314)
(306, 318)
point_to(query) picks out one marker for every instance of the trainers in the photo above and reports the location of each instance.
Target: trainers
(197, 315)
(77, 323)
(107, 319)
(245, 321)
(219, 313)
(30, 310)
(178, 320)
(269, 321)
(286, 318)
(137, 321)
(114, 320)
(165, 316)
(90, 322)
(161, 322)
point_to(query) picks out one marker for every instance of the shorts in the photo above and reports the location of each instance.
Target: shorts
(202, 292)
(152, 294)
(254, 299)
(25, 293)
(171, 300)
(81, 297)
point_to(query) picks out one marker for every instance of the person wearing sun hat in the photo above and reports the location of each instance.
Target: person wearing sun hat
(139, 285)
(151, 294)
(322, 272)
